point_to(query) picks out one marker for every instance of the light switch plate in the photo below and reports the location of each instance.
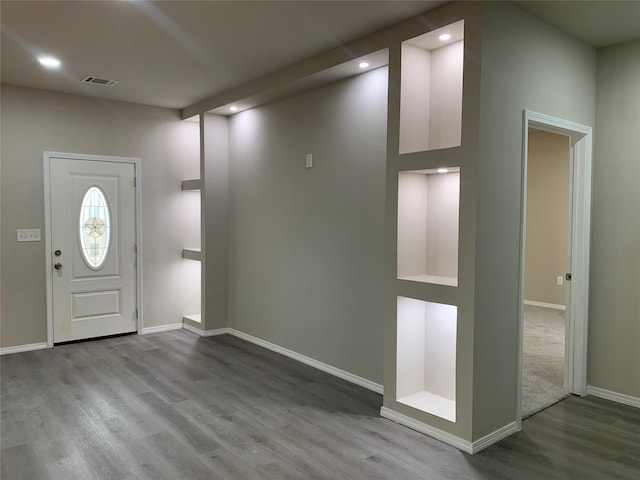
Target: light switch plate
(29, 235)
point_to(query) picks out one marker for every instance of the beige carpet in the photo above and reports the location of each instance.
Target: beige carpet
(543, 359)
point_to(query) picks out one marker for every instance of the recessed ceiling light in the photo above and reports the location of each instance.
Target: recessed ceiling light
(363, 64)
(444, 37)
(233, 108)
(49, 62)
(443, 170)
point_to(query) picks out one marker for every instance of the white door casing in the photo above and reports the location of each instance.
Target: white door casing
(91, 297)
(580, 228)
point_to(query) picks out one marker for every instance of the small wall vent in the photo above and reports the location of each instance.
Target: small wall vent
(99, 81)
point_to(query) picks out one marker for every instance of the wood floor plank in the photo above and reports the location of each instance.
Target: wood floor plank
(185, 463)
(192, 435)
(173, 406)
(21, 462)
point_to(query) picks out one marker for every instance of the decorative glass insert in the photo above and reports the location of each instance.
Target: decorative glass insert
(95, 227)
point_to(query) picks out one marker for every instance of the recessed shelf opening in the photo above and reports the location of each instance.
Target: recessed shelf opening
(426, 356)
(192, 287)
(431, 90)
(191, 294)
(428, 213)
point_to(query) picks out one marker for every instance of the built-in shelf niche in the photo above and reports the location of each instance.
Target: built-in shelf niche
(192, 294)
(426, 356)
(431, 90)
(191, 204)
(428, 212)
(192, 236)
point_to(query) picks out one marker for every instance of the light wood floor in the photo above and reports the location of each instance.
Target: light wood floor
(176, 406)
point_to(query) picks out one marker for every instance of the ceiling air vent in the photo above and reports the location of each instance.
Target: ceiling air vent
(99, 81)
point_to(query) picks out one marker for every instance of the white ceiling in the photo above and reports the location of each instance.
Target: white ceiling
(598, 23)
(175, 53)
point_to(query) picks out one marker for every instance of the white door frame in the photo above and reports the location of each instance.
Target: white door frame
(48, 156)
(580, 225)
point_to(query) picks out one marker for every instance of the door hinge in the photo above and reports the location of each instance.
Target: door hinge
(136, 313)
(135, 248)
(135, 182)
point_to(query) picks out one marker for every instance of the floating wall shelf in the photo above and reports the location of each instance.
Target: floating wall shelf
(192, 254)
(192, 184)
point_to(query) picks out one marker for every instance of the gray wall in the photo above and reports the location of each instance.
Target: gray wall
(547, 217)
(306, 245)
(215, 130)
(614, 297)
(526, 64)
(34, 121)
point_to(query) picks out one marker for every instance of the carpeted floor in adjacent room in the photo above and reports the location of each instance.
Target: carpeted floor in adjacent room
(543, 359)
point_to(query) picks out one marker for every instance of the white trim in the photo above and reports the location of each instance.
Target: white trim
(613, 396)
(47, 157)
(139, 248)
(23, 348)
(445, 437)
(427, 429)
(580, 220)
(161, 328)
(47, 248)
(557, 125)
(579, 263)
(555, 306)
(205, 333)
(350, 377)
(494, 437)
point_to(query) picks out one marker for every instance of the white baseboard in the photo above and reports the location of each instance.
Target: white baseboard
(161, 328)
(350, 377)
(457, 442)
(494, 437)
(446, 437)
(205, 333)
(545, 305)
(23, 348)
(613, 396)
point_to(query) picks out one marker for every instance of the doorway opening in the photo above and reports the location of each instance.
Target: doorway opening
(554, 280)
(546, 262)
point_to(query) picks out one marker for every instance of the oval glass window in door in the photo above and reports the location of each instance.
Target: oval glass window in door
(95, 227)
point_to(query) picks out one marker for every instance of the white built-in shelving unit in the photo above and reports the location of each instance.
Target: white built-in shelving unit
(428, 206)
(192, 189)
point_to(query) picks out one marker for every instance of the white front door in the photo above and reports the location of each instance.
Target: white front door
(93, 248)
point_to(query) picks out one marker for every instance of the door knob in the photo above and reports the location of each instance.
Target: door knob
(58, 266)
